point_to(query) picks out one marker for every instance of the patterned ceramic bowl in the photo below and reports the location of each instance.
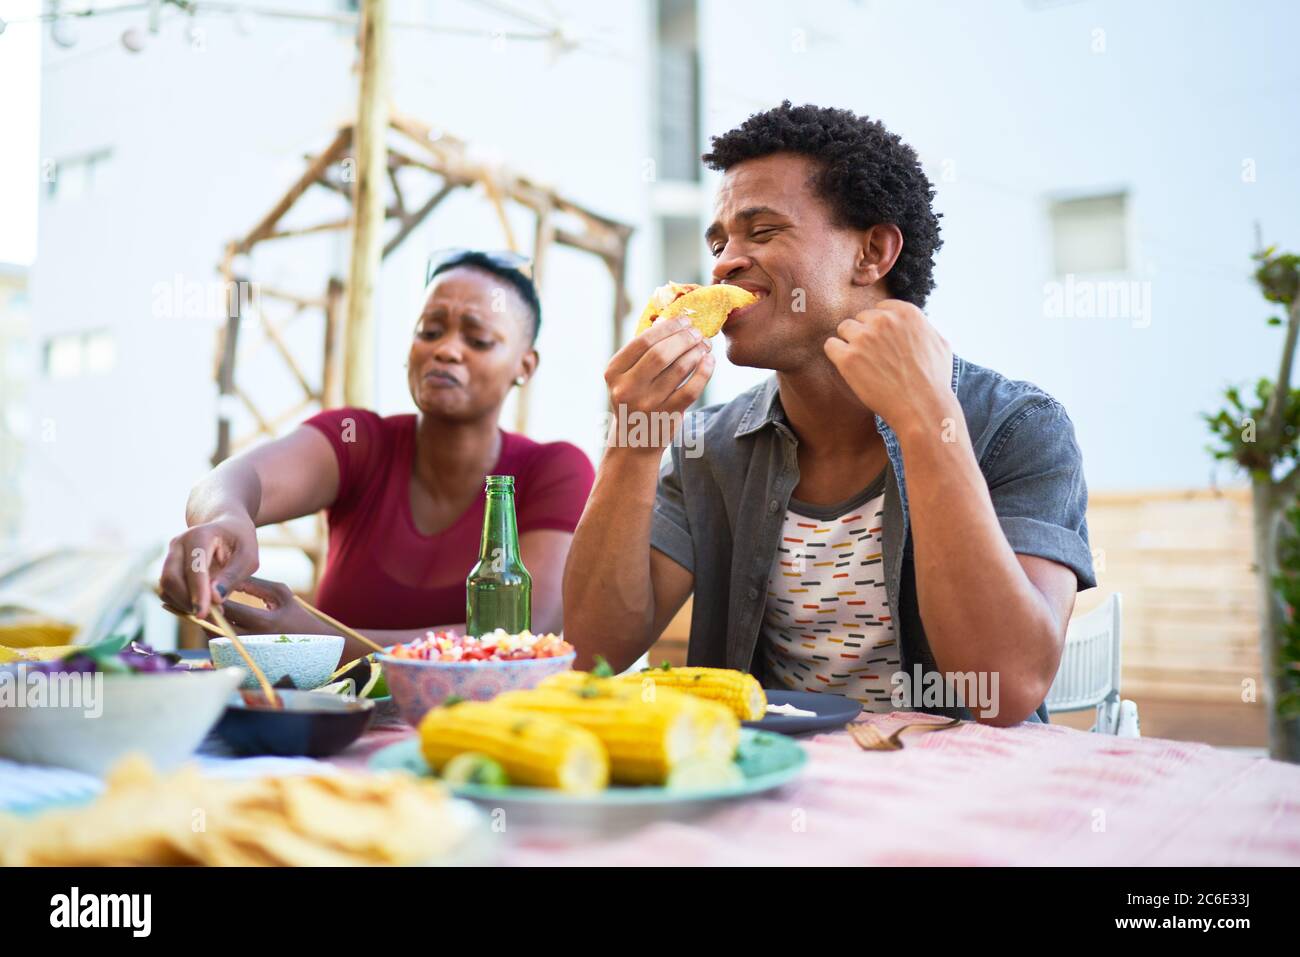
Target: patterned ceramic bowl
(308, 659)
(419, 685)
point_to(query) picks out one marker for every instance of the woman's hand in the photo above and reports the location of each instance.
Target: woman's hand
(281, 616)
(284, 479)
(204, 562)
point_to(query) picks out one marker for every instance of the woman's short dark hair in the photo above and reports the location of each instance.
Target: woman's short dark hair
(496, 266)
(867, 175)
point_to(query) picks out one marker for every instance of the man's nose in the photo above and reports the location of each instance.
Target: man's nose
(729, 264)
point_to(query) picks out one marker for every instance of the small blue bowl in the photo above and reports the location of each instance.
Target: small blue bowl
(308, 660)
(418, 686)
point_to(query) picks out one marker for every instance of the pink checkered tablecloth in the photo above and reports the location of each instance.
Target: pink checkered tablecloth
(1028, 795)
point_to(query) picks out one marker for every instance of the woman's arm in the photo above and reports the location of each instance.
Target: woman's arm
(283, 615)
(544, 554)
(280, 480)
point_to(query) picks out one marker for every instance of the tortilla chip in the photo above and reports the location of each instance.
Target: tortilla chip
(144, 818)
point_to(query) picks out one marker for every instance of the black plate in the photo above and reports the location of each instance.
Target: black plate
(833, 711)
(312, 724)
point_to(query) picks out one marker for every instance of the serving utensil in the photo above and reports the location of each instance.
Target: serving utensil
(272, 698)
(207, 626)
(192, 619)
(335, 623)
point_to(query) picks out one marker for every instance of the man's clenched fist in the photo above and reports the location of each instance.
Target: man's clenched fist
(896, 363)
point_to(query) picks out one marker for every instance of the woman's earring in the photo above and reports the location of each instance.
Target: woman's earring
(520, 380)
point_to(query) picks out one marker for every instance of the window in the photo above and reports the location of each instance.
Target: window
(678, 87)
(63, 357)
(682, 248)
(74, 176)
(80, 353)
(1090, 234)
(98, 352)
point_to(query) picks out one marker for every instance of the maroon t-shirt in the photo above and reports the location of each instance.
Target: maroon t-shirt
(381, 571)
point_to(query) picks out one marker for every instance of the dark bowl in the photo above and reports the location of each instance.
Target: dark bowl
(311, 724)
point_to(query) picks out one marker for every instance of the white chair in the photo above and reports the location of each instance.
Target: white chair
(641, 664)
(1089, 673)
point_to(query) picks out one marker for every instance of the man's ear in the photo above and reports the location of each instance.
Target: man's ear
(876, 254)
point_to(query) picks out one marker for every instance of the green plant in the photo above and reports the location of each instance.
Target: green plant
(1260, 433)
(1287, 583)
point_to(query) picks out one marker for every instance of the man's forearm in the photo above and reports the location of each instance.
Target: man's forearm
(980, 609)
(608, 593)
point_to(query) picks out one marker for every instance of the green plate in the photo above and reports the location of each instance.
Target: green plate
(766, 760)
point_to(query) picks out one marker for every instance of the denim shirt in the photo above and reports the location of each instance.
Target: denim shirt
(725, 485)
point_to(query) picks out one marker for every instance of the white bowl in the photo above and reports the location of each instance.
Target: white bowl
(308, 659)
(164, 716)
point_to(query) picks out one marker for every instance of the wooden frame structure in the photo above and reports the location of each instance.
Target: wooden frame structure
(411, 144)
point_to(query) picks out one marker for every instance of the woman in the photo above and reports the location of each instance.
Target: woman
(404, 492)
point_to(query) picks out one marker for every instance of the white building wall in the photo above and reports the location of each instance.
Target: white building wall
(1009, 103)
(203, 143)
(1014, 103)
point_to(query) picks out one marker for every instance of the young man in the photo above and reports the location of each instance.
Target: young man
(878, 516)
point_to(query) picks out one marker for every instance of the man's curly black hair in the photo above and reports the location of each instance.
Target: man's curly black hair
(868, 176)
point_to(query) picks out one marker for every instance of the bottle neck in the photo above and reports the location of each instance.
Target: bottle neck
(500, 537)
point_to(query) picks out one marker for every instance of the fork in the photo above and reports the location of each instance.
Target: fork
(868, 738)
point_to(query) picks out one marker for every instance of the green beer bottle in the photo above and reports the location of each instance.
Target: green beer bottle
(499, 590)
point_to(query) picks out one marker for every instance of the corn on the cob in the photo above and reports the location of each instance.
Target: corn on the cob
(737, 690)
(645, 740)
(35, 632)
(718, 728)
(537, 750)
(569, 680)
(36, 653)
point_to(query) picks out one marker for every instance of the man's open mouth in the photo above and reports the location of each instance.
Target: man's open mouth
(757, 291)
(760, 291)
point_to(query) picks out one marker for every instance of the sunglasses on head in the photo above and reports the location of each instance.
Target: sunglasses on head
(501, 258)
